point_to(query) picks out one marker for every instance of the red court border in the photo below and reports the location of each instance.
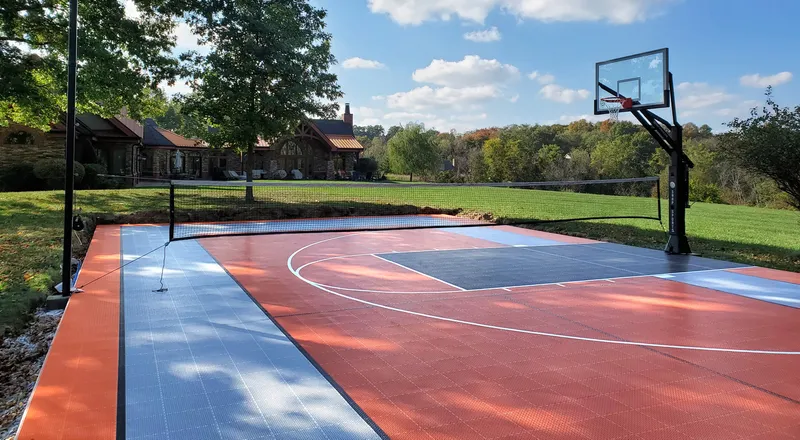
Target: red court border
(75, 397)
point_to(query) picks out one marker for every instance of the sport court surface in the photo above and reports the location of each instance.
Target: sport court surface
(450, 333)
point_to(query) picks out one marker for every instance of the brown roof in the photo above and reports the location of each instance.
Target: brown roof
(344, 142)
(180, 141)
(131, 125)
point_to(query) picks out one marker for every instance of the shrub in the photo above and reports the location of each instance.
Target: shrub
(52, 171)
(366, 165)
(19, 177)
(91, 179)
(704, 192)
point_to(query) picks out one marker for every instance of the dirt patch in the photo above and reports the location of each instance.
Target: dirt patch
(21, 358)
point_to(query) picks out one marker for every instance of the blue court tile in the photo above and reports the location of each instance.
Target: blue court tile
(209, 349)
(196, 433)
(149, 426)
(502, 237)
(762, 289)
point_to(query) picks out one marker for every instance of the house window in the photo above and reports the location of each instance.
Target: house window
(19, 138)
(294, 156)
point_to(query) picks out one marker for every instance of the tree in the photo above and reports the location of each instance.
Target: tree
(175, 120)
(414, 150)
(768, 143)
(378, 151)
(369, 131)
(121, 60)
(393, 130)
(268, 69)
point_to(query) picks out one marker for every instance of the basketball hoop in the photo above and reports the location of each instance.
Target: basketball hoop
(615, 104)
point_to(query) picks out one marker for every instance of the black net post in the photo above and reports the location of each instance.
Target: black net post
(658, 197)
(171, 211)
(69, 172)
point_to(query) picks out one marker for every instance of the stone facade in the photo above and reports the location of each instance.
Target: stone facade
(37, 145)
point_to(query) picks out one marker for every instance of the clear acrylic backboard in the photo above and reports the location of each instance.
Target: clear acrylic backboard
(642, 77)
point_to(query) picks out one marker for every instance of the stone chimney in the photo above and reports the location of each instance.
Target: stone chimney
(348, 117)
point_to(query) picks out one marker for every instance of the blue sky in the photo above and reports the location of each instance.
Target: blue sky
(713, 44)
(411, 60)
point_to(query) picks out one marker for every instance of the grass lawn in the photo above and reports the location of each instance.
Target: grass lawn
(30, 225)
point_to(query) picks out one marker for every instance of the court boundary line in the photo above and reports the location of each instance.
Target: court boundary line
(517, 330)
(420, 273)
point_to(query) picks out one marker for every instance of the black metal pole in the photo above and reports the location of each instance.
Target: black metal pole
(69, 173)
(678, 192)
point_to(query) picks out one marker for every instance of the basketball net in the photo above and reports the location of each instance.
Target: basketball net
(614, 105)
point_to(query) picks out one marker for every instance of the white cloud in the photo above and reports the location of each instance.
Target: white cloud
(409, 116)
(426, 97)
(378, 98)
(370, 121)
(360, 63)
(180, 86)
(185, 40)
(566, 119)
(471, 71)
(741, 109)
(130, 10)
(545, 78)
(415, 12)
(514, 99)
(365, 112)
(484, 36)
(655, 63)
(692, 96)
(756, 80)
(554, 92)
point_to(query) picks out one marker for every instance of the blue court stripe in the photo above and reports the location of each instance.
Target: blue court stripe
(776, 292)
(503, 237)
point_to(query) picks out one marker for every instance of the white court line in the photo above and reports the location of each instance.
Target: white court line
(418, 272)
(483, 289)
(517, 330)
(506, 289)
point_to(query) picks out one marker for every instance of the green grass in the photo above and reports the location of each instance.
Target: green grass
(30, 224)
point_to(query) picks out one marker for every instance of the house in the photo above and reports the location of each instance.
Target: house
(114, 142)
(319, 149)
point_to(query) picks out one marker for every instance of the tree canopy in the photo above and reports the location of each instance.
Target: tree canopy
(768, 143)
(267, 70)
(121, 60)
(413, 150)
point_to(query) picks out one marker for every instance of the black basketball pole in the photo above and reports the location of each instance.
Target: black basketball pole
(678, 185)
(69, 172)
(670, 138)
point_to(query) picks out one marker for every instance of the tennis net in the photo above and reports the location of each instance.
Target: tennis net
(210, 208)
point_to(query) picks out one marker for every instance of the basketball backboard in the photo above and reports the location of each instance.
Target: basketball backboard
(642, 77)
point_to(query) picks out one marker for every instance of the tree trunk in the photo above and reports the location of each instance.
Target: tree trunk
(410, 177)
(249, 170)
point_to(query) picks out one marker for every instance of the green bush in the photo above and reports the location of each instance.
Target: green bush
(366, 165)
(92, 180)
(52, 171)
(704, 192)
(19, 177)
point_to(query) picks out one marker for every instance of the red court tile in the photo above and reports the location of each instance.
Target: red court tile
(76, 395)
(459, 380)
(771, 274)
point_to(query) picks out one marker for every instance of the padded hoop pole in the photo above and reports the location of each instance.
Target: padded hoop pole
(678, 194)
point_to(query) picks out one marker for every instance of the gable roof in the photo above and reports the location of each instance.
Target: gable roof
(333, 127)
(154, 136)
